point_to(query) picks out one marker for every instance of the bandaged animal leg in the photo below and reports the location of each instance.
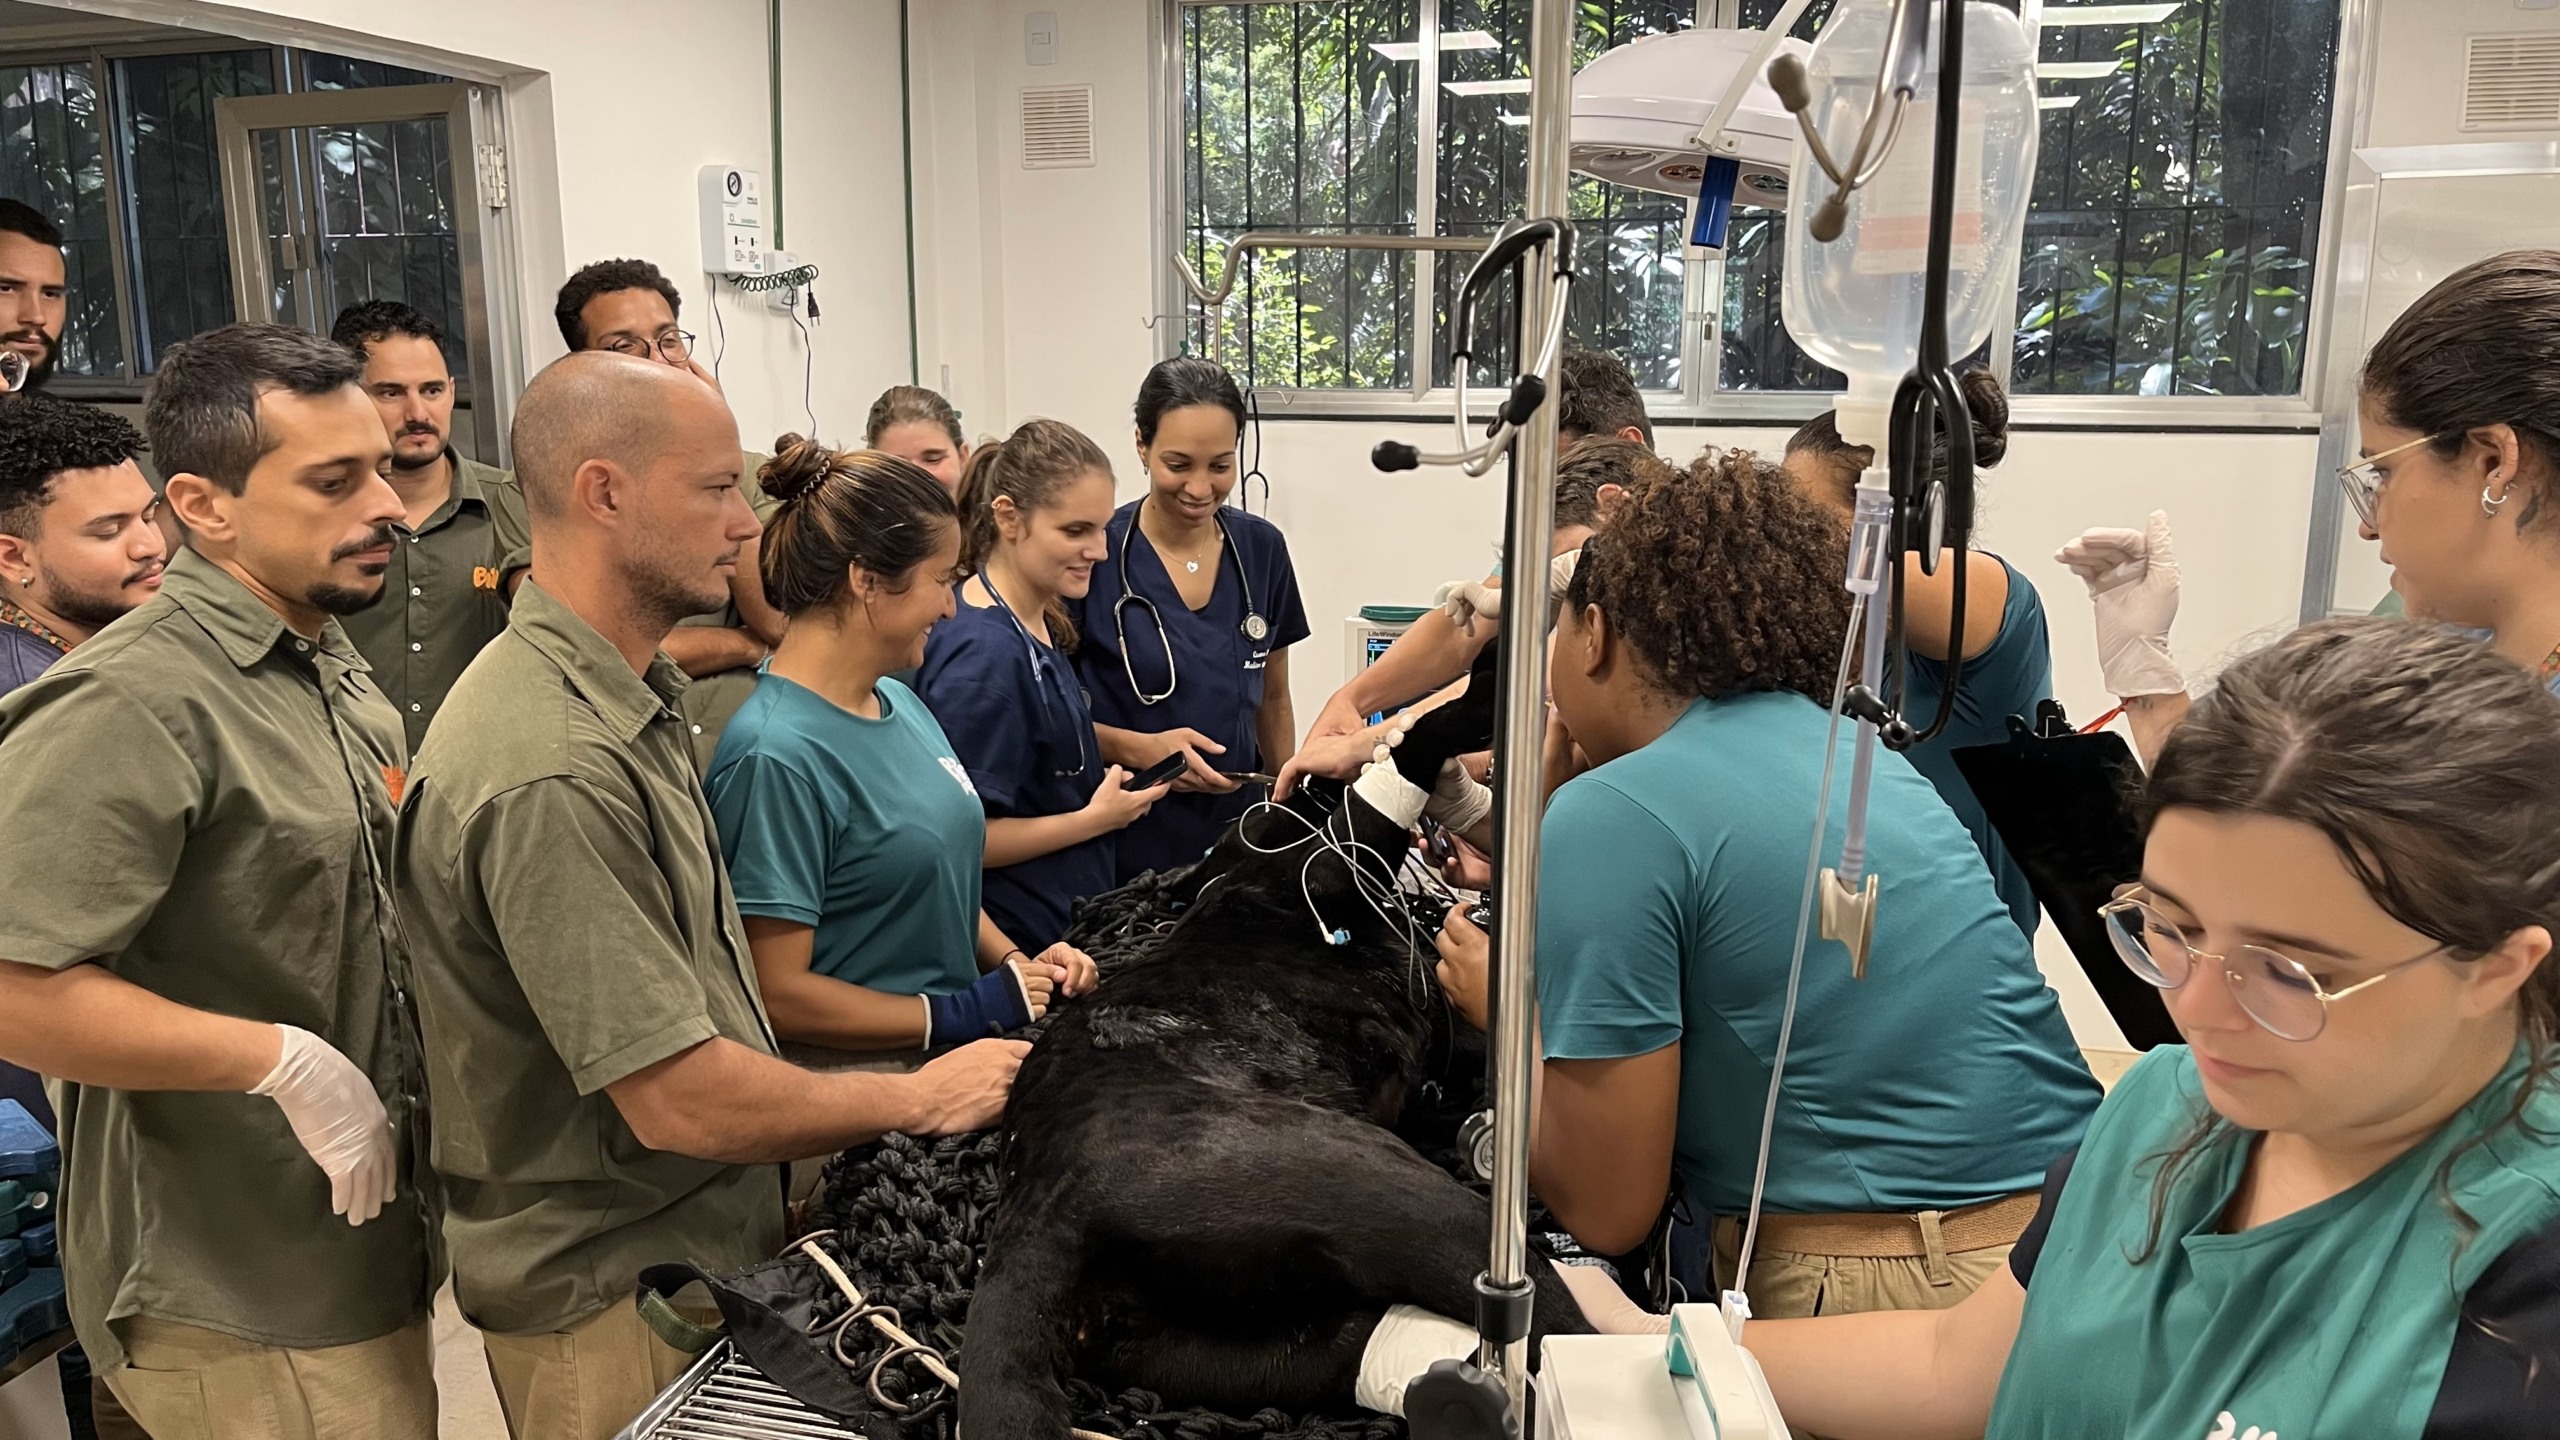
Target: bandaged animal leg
(1406, 1343)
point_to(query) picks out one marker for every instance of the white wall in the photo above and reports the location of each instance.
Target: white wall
(2417, 98)
(613, 109)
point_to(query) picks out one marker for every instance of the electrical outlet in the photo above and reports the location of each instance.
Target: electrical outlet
(786, 300)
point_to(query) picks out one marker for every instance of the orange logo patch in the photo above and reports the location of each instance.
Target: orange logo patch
(396, 780)
(484, 578)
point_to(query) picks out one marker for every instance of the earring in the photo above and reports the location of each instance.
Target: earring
(2488, 506)
(27, 582)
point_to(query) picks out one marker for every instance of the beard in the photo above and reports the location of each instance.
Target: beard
(88, 611)
(332, 598)
(40, 370)
(658, 594)
(405, 465)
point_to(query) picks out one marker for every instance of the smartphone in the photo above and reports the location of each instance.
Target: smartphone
(1251, 777)
(1158, 773)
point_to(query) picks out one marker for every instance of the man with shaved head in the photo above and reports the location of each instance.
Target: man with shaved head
(602, 1074)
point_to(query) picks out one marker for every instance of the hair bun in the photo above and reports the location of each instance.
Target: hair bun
(1989, 405)
(799, 465)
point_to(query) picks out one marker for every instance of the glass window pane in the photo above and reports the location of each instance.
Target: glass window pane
(2177, 204)
(1294, 119)
(1629, 245)
(51, 159)
(173, 179)
(387, 233)
(338, 72)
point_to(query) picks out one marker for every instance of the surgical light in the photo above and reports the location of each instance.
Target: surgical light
(1644, 117)
(2058, 15)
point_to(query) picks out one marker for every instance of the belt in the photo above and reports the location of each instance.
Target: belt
(1897, 1236)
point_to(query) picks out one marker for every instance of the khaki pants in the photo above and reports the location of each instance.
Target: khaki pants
(586, 1382)
(1790, 1285)
(181, 1382)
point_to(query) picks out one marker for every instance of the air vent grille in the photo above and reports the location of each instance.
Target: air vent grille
(2512, 82)
(1057, 127)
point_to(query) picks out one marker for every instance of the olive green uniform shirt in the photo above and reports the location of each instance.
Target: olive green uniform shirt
(711, 701)
(201, 801)
(442, 598)
(572, 925)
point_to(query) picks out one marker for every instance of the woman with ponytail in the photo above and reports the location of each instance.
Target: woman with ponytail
(850, 829)
(2008, 657)
(1035, 508)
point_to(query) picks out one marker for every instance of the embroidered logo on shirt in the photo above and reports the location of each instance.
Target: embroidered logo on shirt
(960, 773)
(484, 578)
(2226, 1428)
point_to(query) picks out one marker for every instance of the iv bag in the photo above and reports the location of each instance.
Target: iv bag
(1854, 303)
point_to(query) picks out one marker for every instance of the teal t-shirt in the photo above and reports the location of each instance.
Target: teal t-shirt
(2009, 677)
(1667, 895)
(868, 831)
(2332, 1323)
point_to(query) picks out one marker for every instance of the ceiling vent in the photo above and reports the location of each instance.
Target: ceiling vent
(1057, 127)
(2512, 82)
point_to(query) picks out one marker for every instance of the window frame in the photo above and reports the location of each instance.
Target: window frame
(1699, 399)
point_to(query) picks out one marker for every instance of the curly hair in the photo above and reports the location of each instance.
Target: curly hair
(366, 321)
(605, 277)
(1724, 580)
(40, 437)
(1592, 462)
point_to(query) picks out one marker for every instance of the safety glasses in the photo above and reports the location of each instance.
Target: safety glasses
(2363, 483)
(2273, 988)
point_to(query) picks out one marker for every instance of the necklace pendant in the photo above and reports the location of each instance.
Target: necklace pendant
(1191, 565)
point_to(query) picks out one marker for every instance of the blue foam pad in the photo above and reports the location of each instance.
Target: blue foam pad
(26, 1148)
(42, 1249)
(31, 1310)
(13, 1263)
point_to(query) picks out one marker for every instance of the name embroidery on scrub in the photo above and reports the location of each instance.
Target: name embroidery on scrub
(2226, 1428)
(960, 773)
(1259, 659)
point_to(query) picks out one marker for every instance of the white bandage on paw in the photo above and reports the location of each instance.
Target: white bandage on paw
(1406, 1343)
(1457, 801)
(1390, 794)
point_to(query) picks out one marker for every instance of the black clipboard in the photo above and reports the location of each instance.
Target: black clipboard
(2063, 804)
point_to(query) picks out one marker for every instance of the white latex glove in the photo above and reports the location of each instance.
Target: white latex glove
(337, 1117)
(1465, 601)
(2132, 577)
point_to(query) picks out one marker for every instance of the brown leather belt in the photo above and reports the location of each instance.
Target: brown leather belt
(1899, 1237)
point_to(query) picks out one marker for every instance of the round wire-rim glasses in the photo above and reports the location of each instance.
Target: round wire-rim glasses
(2272, 988)
(672, 346)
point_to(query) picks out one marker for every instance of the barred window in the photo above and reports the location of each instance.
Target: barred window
(152, 115)
(2170, 243)
(1309, 117)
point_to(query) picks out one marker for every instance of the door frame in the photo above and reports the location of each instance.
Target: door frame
(474, 121)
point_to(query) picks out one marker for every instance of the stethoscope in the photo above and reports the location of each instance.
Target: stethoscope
(1040, 670)
(1254, 627)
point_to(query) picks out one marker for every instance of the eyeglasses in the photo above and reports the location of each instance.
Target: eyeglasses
(2272, 988)
(2363, 483)
(673, 346)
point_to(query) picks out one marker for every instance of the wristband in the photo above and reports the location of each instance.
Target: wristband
(996, 1004)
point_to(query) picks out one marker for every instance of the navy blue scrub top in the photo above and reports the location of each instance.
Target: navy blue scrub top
(1220, 671)
(1017, 718)
(2008, 678)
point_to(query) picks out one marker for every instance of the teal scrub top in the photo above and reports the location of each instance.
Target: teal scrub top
(2333, 1322)
(868, 831)
(2011, 675)
(1667, 893)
